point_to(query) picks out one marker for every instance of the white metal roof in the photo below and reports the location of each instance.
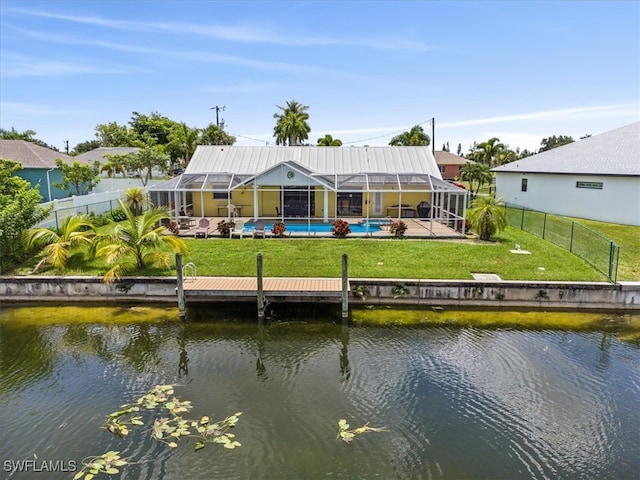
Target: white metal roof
(612, 153)
(320, 160)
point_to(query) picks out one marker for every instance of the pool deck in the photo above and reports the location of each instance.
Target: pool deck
(416, 228)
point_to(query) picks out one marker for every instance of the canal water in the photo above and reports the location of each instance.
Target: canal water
(460, 394)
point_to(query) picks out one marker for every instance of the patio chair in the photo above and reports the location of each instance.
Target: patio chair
(203, 229)
(259, 229)
(237, 230)
(233, 211)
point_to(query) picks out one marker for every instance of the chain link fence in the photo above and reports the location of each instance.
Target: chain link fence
(595, 249)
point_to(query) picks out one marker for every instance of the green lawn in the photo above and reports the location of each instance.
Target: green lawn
(393, 258)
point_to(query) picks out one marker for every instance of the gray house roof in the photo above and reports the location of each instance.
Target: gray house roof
(322, 160)
(31, 155)
(612, 153)
(99, 154)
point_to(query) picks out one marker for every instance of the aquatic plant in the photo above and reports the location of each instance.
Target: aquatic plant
(168, 428)
(400, 290)
(347, 435)
(361, 292)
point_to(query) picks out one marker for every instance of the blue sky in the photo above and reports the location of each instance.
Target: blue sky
(516, 70)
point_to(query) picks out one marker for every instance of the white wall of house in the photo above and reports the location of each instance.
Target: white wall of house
(617, 202)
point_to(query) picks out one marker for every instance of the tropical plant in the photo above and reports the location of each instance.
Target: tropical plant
(184, 140)
(113, 166)
(136, 199)
(329, 141)
(214, 135)
(80, 177)
(477, 174)
(76, 231)
(145, 160)
(291, 126)
(400, 290)
(278, 229)
(20, 210)
(361, 292)
(554, 142)
(487, 152)
(398, 228)
(413, 138)
(137, 242)
(340, 228)
(225, 227)
(487, 216)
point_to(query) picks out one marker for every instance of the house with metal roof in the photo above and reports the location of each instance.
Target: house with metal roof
(596, 178)
(38, 166)
(314, 184)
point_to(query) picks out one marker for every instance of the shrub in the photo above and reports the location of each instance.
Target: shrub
(118, 215)
(398, 228)
(278, 229)
(341, 228)
(225, 227)
(173, 227)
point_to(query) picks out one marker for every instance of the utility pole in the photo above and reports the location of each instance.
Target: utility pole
(218, 110)
(66, 146)
(433, 135)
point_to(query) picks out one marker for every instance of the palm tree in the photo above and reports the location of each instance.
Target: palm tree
(136, 199)
(413, 138)
(137, 242)
(477, 174)
(185, 140)
(487, 216)
(487, 152)
(76, 231)
(291, 126)
(329, 141)
(113, 166)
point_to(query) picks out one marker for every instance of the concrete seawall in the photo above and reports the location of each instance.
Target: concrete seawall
(463, 293)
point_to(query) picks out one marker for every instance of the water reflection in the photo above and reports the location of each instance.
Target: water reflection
(458, 402)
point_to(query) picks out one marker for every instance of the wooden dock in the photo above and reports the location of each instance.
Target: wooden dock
(244, 289)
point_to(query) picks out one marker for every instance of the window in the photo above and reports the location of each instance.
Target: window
(220, 196)
(524, 185)
(443, 168)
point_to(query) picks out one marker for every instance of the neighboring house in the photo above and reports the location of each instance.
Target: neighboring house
(449, 164)
(38, 166)
(314, 183)
(100, 155)
(596, 178)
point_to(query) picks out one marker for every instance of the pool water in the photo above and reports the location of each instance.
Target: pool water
(320, 227)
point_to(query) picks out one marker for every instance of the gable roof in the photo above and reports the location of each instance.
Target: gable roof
(31, 155)
(99, 154)
(612, 153)
(447, 158)
(322, 160)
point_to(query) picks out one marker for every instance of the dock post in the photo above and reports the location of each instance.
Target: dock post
(345, 288)
(260, 290)
(181, 298)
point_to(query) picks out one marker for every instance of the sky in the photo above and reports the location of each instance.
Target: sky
(520, 71)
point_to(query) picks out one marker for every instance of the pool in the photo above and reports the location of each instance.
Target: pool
(366, 227)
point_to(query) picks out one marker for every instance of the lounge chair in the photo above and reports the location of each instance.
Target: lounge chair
(203, 229)
(259, 229)
(237, 230)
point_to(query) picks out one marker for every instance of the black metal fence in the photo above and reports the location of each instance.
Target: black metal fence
(595, 249)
